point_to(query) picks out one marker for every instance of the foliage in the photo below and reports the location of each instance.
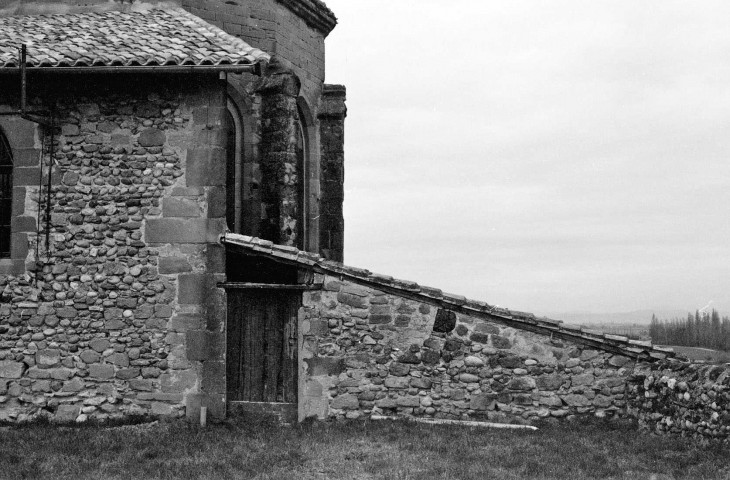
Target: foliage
(701, 330)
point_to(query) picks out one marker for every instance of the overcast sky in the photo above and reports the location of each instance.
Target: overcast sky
(542, 156)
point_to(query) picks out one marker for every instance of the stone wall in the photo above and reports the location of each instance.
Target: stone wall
(367, 352)
(332, 166)
(680, 397)
(118, 315)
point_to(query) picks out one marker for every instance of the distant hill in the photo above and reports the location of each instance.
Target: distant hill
(636, 317)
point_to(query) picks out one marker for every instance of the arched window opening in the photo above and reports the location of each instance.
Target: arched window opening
(234, 168)
(6, 195)
(302, 177)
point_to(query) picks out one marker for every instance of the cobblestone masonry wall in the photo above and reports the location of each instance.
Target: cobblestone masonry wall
(366, 352)
(691, 399)
(106, 324)
(370, 353)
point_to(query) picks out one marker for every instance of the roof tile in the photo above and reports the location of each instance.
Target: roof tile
(155, 37)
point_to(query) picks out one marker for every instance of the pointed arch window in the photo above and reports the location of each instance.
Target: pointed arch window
(6, 195)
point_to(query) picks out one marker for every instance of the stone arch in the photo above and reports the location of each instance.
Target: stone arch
(241, 188)
(6, 194)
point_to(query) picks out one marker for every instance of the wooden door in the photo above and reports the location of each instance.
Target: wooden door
(262, 345)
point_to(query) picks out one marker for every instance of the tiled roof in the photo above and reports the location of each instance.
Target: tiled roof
(521, 320)
(156, 37)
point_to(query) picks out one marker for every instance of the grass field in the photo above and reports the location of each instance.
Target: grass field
(373, 450)
(704, 354)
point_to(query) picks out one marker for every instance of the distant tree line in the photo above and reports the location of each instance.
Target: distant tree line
(702, 329)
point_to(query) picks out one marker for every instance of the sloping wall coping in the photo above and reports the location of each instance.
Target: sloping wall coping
(617, 344)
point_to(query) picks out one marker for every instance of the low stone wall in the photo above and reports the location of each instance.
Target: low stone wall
(367, 352)
(690, 399)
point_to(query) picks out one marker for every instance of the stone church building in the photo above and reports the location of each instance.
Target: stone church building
(171, 238)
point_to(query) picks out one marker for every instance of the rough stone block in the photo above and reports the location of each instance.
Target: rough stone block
(206, 166)
(26, 176)
(19, 132)
(171, 265)
(18, 245)
(215, 256)
(214, 377)
(501, 342)
(584, 379)
(483, 327)
(180, 207)
(185, 322)
(67, 413)
(196, 345)
(380, 319)
(48, 358)
(193, 288)
(215, 403)
(325, 366)
(18, 200)
(216, 306)
(216, 202)
(141, 385)
(151, 137)
(347, 401)
(422, 383)
(445, 321)
(484, 401)
(396, 382)
(99, 344)
(521, 384)
(23, 224)
(575, 400)
(550, 382)
(101, 371)
(352, 300)
(26, 157)
(411, 401)
(184, 230)
(386, 403)
(618, 361)
(127, 373)
(75, 385)
(10, 369)
(589, 355)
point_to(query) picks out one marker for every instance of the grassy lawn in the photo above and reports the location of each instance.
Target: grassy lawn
(373, 450)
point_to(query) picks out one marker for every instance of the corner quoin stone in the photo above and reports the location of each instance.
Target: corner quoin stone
(184, 230)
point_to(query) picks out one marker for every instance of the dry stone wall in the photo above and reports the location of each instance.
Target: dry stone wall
(371, 353)
(98, 325)
(680, 397)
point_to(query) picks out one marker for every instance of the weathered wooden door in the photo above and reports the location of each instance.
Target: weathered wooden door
(262, 345)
